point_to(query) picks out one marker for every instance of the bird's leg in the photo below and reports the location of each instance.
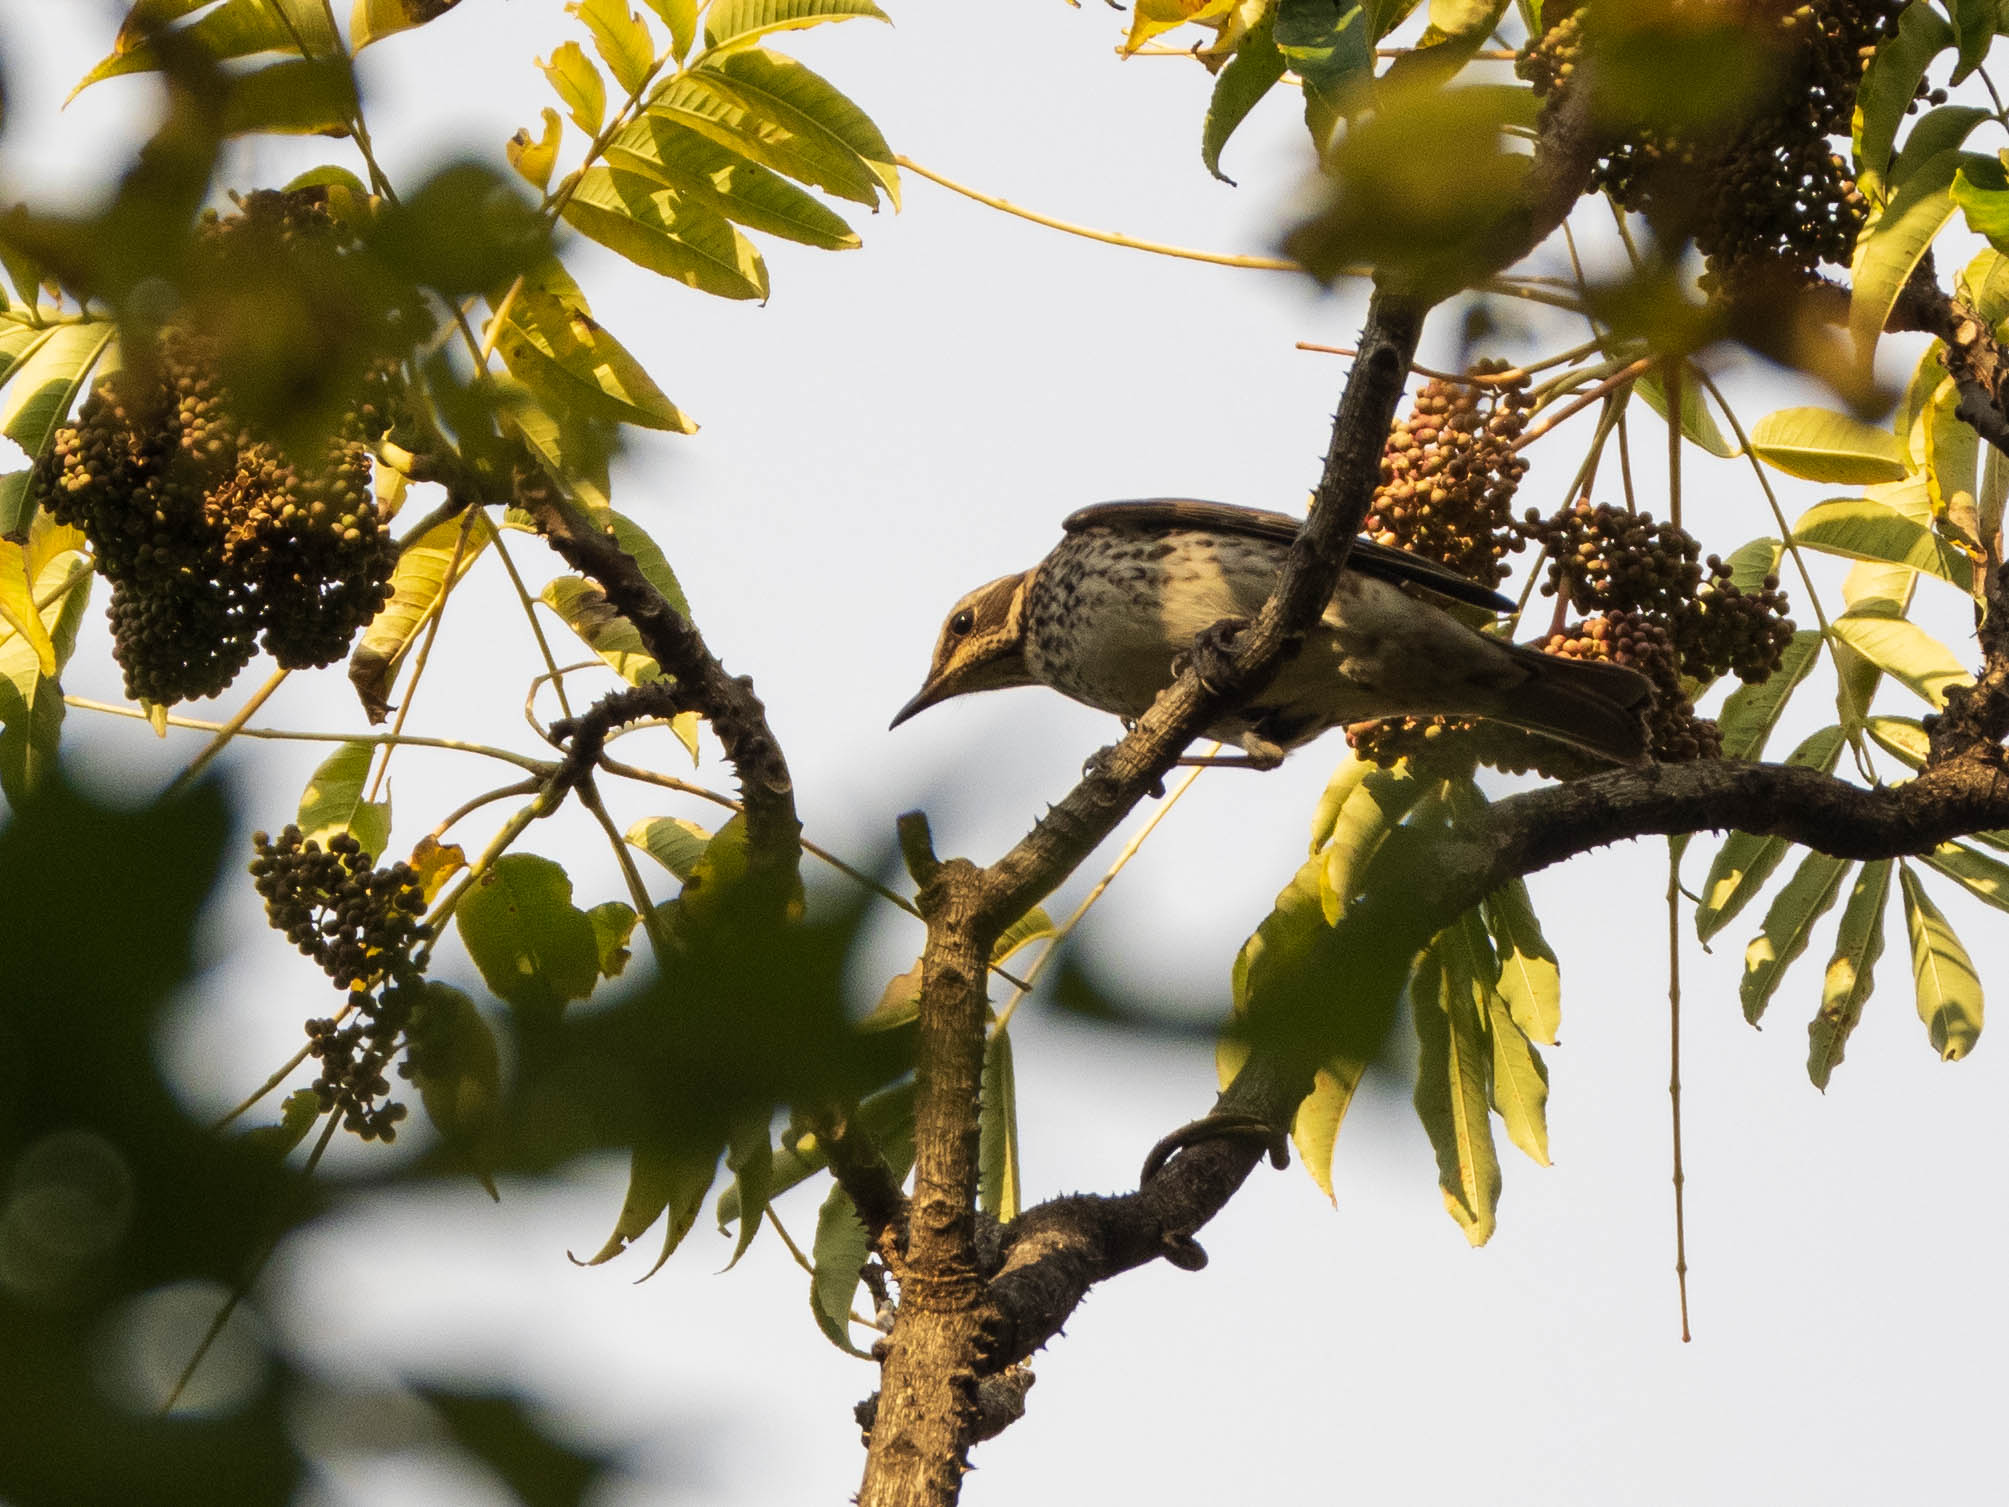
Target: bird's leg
(1258, 752)
(1212, 652)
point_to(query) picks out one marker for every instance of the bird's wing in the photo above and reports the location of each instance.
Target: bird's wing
(1367, 557)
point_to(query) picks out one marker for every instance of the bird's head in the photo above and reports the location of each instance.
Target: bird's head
(981, 648)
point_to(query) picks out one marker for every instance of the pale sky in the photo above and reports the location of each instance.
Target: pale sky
(899, 424)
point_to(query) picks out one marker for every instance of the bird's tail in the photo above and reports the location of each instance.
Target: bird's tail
(1590, 704)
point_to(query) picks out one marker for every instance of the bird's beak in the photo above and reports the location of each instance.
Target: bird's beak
(940, 688)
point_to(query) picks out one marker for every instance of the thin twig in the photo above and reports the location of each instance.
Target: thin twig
(1674, 1077)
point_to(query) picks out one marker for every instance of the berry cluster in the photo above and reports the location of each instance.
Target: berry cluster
(1606, 560)
(210, 531)
(1449, 473)
(359, 923)
(1756, 188)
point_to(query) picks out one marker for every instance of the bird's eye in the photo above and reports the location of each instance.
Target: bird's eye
(962, 622)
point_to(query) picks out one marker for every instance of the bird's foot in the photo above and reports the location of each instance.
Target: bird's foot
(1213, 652)
(1223, 1125)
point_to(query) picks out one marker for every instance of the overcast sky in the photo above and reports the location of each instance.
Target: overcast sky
(899, 424)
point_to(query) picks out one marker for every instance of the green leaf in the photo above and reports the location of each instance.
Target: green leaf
(373, 20)
(1976, 23)
(418, 587)
(661, 1178)
(614, 923)
(18, 342)
(1326, 43)
(751, 1158)
(1981, 188)
(1871, 589)
(738, 23)
(1949, 990)
(300, 97)
(1452, 1067)
(333, 801)
(1698, 425)
(667, 232)
(1892, 245)
(1860, 529)
(1374, 809)
(1530, 980)
(298, 1112)
(621, 38)
(1746, 861)
(53, 565)
(659, 149)
(535, 157)
(1940, 130)
(1751, 563)
(673, 842)
(1903, 738)
(681, 16)
(458, 1072)
(1752, 710)
(1520, 1085)
(534, 947)
(42, 387)
(887, 1118)
(578, 86)
(235, 29)
(782, 115)
(1849, 980)
(1027, 929)
(1315, 1129)
(1788, 925)
(1822, 445)
(1249, 75)
(1981, 876)
(1000, 1185)
(1889, 85)
(1904, 651)
(837, 1257)
(1339, 789)
(554, 346)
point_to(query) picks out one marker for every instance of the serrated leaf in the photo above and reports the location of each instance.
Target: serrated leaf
(661, 1178)
(1822, 445)
(535, 157)
(1889, 85)
(1858, 528)
(1891, 246)
(42, 387)
(659, 148)
(1850, 976)
(535, 948)
(614, 923)
(785, 116)
(1788, 925)
(1000, 1184)
(419, 584)
(738, 23)
(1904, 651)
(458, 1072)
(887, 1118)
(1451, 1097)
(675, 235)
(1948, 989)
(750, 1156)
(1981, 876)
(1249, 75)
(1752, 711)
(1520, 1086)
(673, 842)
(333, 801)
(373, 20)
(837, 1258)
(1698, 425)
(1530, 980)
(621, 38)
(1373, 810)
(578, 85)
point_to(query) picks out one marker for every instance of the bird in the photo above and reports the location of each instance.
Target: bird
(1109, 615)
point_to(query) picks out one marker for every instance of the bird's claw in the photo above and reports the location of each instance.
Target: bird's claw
(1213, 653)
(1224, 1125)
